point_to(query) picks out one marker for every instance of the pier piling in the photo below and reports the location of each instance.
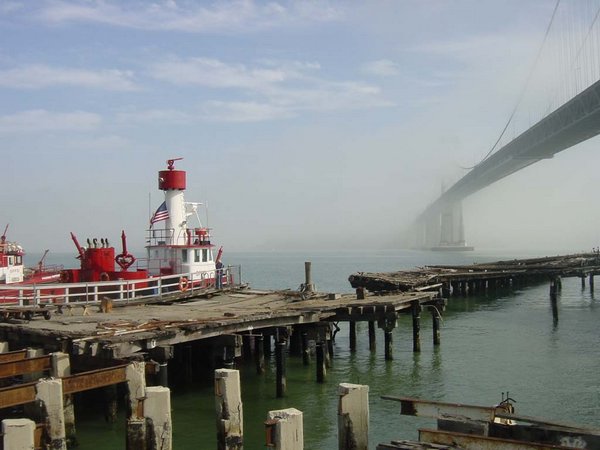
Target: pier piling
(321, 370)
(591, 282)
(3, 347)
(18, 434)
(435, 318)
(305, 349)
(259, 353)
(61, 367)
(49, 394)
(416, 309)
(285, 429)
(353, 417)
(352, 326)
(157, 411)
(280, 372)
(372, 338)
(136, 423)
(228, 402)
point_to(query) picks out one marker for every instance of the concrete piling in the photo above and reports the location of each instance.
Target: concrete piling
(353, 417)
(308, 284)
(280, 369)
(285, 429)
(3, 347)
(49, 395)
(136, 423)
(228, 402)
(157, 411)
(61, 367)
(18, 434)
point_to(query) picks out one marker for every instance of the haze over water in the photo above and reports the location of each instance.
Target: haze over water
(503, 342)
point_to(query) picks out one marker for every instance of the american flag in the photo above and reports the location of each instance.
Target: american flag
(161, 214)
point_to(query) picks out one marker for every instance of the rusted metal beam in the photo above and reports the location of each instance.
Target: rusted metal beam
(426, 408)
(94, 379)
(13, 356)
(17, 395)
(472, 442)
(23, 366)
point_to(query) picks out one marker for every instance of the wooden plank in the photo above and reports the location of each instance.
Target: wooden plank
(29, 365)
(13, 356)
(94, 379)
(17, 395)
(472, 442)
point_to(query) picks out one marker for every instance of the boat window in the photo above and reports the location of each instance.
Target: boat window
(204, 254)
(196, 255)
(19, 260)
(11, 260)
(184, 255)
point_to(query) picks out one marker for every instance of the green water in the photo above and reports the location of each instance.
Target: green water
(490, 344)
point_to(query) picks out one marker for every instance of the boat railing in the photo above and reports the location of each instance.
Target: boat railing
(119, 291)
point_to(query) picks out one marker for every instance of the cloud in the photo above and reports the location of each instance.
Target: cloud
(273, 90)
(7, 7)
(192, 17)
(156, 115)
(382, 68)
(42, 76)
(40, 120)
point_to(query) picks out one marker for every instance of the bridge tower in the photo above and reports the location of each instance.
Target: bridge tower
(442, 231)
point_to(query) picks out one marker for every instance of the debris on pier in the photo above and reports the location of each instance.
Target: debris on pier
(433, 277)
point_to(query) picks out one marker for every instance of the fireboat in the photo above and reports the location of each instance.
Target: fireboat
(179, 259)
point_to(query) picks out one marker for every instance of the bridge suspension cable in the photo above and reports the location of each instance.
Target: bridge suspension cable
(523, 89)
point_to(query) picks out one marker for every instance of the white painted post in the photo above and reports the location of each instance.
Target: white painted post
(136, 385)
(136, 423)
(157, 410)
(353, 417)
(230, 416)
(18, 434)
(285, 429)
(3, 347)
(50, 394)
(61, 367)
(33, 353)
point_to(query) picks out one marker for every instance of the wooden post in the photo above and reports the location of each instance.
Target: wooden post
(372, 338)
(360, 293)
(259, 354)
(296, 341)
(308, 284)
(285, 430)
(228, 402)
(435, 318)
(18, 434)
(247, 347)
(305, 349)
(352, 325)
(49, 394)
(591, 282)
(388, 343)
(353, 417)
(157, 411)
(583, 282)
(321, 370)
(280, 374)
(267, 346)
(416, 322)
(554, 300)
(110, 403)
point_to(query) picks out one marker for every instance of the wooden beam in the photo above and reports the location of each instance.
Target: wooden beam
(426, 408)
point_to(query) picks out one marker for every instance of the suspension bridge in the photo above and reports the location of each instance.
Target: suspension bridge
(572, 44)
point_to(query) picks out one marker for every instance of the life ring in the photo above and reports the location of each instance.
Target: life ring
(183, 284)
(104, 276)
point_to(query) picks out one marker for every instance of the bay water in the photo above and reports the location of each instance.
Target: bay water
(491, 344)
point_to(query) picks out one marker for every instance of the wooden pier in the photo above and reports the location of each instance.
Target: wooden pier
(480, 277)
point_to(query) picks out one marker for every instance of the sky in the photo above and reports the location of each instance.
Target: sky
(306, 125)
